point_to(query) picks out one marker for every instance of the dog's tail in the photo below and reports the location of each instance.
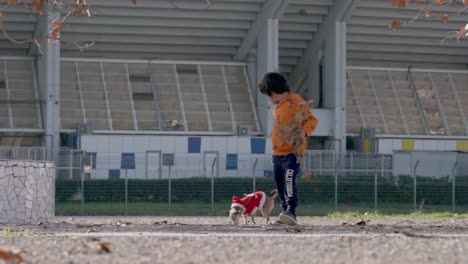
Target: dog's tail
(275, 193)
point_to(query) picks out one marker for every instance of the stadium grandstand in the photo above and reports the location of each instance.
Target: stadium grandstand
(180, 78)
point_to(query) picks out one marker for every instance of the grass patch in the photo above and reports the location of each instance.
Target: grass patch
(420, 215)
(200, 208)
(8, 233)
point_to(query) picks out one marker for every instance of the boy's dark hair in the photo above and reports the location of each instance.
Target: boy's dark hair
(273, 83)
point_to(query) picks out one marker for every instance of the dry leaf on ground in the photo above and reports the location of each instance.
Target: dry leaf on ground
(10, 254)
(122, 223)
(89, 247)
(360, 223)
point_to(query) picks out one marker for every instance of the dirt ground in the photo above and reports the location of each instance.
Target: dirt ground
(215, 240)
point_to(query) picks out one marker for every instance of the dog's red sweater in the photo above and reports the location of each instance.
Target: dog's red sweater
(250, 202)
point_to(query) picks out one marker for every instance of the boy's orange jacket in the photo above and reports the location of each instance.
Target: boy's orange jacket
(284, 118)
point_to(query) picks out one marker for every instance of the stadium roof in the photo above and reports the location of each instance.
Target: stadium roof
(220, 31)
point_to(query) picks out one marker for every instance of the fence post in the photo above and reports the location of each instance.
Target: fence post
(382, 165)
(376, 181)
(70, 165)
(169, 192)
(454, 185)
(336, 183)
(320, 163)
(91, 166)
(415, 185)
(126, 192)
(82, 180)
(212, 185)
(253, 173)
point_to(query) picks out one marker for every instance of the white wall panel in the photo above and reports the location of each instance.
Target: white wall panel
(243, 145)
(115, 144)
(168, 144)
(128, 143)
(181, 144)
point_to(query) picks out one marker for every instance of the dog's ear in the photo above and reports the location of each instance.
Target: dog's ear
(226, 213)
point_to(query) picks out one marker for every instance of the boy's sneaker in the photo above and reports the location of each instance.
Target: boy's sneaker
(279, 223)
(288, 218)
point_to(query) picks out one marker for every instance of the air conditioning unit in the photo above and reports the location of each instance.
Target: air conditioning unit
(367, 132)
(85, 128)
(244, 130)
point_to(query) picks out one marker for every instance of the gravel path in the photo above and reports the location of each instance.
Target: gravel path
(214, 240)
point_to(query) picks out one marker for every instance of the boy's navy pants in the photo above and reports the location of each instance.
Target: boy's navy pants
(285, 169)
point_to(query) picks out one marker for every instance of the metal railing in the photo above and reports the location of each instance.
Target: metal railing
(326, 162)
(22, 153)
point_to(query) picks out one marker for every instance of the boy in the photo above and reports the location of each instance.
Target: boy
(293, 122)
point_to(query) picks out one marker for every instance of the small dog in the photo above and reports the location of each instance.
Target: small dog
(250, 203)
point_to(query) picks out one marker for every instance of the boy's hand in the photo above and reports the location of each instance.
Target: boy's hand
(302, 135)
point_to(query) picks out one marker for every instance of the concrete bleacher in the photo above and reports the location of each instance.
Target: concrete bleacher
(428, 97)
(353, 113)
(119, 96)
(397, 102)
(19, 88)
(365, 96)
(241, 102)
(217, 98)
(82, 95)
(193, 97)
(389, 103)
(71, 111)
(449, 102)
(207, 97)
(408, 102)
(94, 95)
(143, 97)
(146, 97)
(169, 100)
(460, 85)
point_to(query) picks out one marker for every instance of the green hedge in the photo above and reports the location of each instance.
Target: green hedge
(351, 189)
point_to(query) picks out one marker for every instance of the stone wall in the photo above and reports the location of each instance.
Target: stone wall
(27, 191)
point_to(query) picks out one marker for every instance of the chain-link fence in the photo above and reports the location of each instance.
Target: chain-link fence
(203, 184)
(157, 183)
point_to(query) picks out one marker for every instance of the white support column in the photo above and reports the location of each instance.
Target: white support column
(267, 61)
(271, 9)
(310, 89)
(48, 65)
(335, 82)
(331, 39)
